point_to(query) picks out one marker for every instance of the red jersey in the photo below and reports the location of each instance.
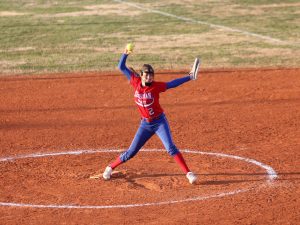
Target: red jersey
(147, 98)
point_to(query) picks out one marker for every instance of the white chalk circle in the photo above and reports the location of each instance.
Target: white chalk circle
(270, 176)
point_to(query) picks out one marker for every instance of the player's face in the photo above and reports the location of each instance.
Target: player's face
(147, 77)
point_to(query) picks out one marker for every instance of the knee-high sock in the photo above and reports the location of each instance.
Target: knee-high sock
(116, 163)
(180, 160)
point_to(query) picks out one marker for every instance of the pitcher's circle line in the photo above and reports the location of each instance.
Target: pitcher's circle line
(271, 175)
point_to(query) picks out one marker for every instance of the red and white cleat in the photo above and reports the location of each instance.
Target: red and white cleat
(191, 177)
(107, 173)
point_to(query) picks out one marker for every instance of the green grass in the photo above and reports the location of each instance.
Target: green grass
(42, 40)
(263, 2)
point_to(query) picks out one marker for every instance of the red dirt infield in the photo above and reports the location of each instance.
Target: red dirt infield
(251, 113)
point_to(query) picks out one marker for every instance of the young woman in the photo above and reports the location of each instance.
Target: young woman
(153, 119)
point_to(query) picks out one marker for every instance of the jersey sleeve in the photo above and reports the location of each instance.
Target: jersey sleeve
(134, 80)
(161, 86)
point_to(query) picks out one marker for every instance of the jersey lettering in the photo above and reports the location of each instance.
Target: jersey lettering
(144, 99)
(147, 98)
(151, 111)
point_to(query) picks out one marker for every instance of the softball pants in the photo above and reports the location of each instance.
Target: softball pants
(160, 127)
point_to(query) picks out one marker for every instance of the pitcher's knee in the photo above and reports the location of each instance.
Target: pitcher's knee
(126, 156)
(172, 150)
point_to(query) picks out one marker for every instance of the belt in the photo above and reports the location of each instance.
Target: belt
(151, 119)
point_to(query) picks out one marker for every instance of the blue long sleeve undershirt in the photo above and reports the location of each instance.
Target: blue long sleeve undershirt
(175, 83)
(171, 84)
(122, 66)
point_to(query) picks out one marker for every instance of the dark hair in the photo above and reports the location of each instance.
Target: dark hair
(147, 68)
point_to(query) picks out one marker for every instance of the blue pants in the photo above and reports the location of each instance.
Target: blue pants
(146, 130)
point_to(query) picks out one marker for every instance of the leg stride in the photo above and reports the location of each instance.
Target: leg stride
(180, 160)
(189, 175)
(140, 138)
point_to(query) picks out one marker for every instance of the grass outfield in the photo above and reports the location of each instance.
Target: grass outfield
(39, 36)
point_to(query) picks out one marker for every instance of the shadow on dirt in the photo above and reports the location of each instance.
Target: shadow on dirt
(205, 179)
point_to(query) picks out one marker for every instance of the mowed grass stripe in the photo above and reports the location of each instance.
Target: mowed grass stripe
(90, 35)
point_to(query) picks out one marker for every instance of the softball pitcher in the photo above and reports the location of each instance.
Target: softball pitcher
(153, 119)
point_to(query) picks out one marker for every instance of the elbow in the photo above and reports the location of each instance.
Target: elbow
(120, 66)
(122, 62)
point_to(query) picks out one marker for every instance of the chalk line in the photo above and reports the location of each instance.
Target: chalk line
(271, 175)
(225, 28)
